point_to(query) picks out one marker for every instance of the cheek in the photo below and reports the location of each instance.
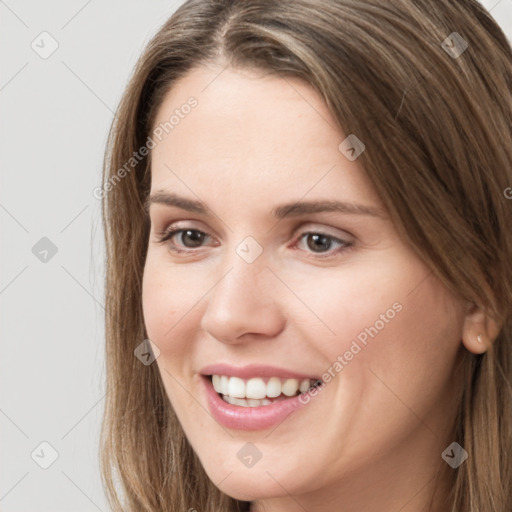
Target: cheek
(341, 305)
(157, 301)
(389, 319)
(166, 298)
(407, 362)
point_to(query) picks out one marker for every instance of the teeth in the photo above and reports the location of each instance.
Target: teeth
(236, 388)
(224, 385)
(256, 389)
(246, 402)
(273, 387)
(290, 387)
(304, 385)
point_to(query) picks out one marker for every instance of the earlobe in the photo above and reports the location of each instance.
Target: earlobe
(477, 346)
(479, 331)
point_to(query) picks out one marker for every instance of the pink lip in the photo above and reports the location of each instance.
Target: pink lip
(252, 370)
(248, 418)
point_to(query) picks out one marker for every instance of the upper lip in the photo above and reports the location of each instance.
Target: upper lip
(252, 370)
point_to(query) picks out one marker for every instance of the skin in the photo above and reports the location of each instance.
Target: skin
(252, 143)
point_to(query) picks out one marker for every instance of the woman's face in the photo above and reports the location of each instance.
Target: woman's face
(311, 292)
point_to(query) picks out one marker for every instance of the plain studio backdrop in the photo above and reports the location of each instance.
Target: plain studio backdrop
(64, 66)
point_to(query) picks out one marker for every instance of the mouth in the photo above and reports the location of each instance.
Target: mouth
(259, 391)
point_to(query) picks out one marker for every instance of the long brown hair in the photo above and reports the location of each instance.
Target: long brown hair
(434, 110)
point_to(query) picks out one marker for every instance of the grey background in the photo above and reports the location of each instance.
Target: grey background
(55, 115)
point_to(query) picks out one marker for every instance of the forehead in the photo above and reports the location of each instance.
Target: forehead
(245, 109)
(251, 131)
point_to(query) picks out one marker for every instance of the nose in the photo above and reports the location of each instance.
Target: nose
(244, 303)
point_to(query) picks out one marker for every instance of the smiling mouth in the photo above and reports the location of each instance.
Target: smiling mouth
(259, 391)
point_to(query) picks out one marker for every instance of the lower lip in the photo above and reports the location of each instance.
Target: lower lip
(249, 418)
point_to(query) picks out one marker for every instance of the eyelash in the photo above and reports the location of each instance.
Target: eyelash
(164, 237)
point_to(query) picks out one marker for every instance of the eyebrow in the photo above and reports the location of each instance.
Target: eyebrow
(285, 210)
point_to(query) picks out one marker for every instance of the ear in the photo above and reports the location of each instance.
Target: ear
(479, 330)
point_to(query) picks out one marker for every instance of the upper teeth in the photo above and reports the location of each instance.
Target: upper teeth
(257, 388)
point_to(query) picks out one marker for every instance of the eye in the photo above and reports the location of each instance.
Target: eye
(317, 242)
(323, 242)
(196, 236)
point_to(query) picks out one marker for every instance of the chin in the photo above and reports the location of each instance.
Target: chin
(248, 484)
(247, 489)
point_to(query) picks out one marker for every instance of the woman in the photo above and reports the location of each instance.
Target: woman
(309, 289)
